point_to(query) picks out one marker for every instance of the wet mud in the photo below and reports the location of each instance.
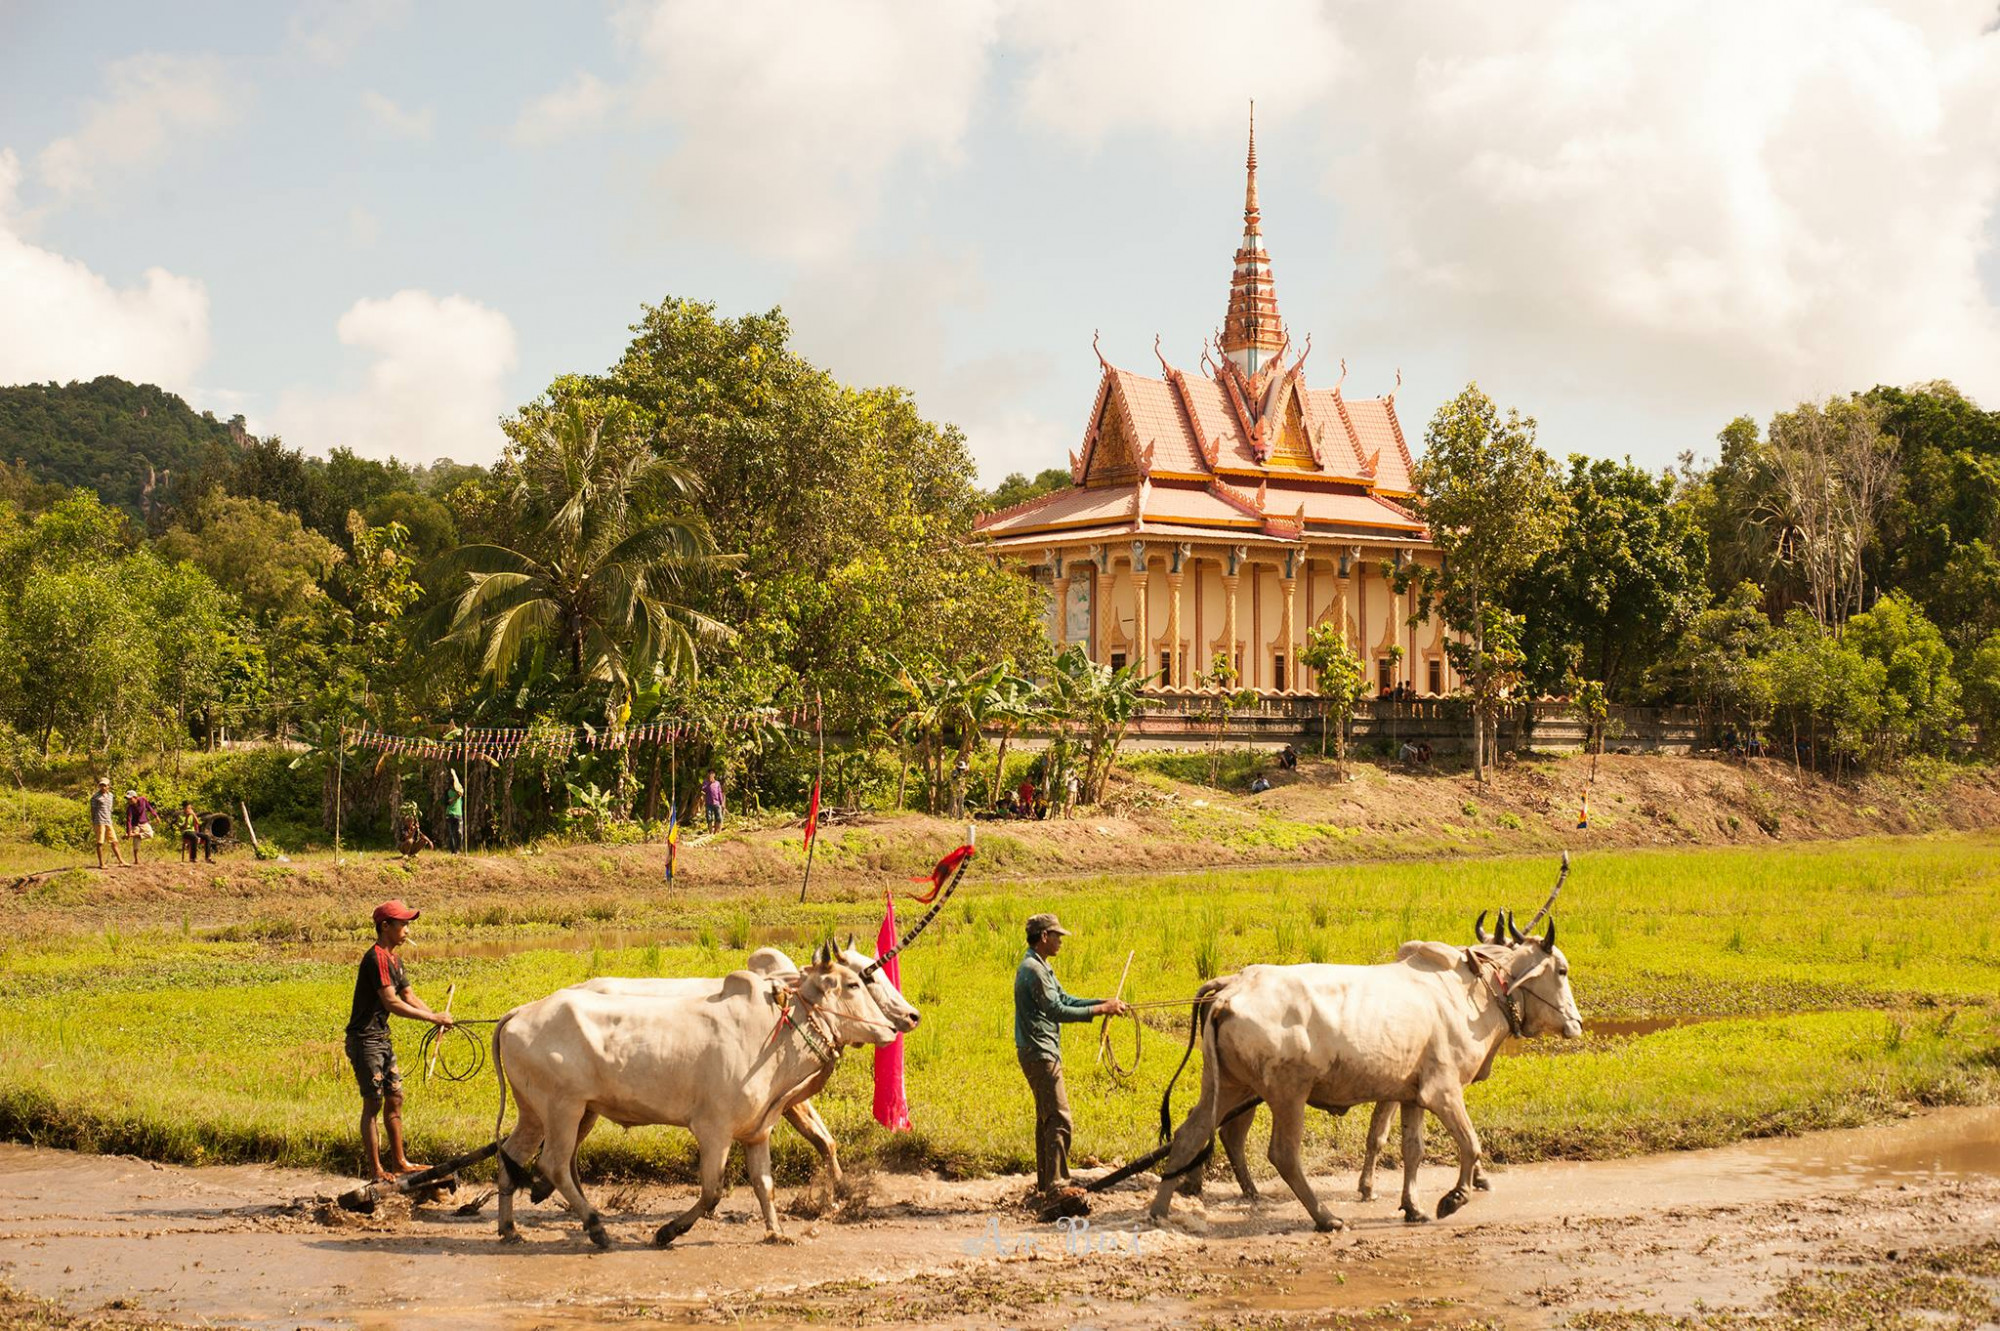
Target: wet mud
(1674, 1234)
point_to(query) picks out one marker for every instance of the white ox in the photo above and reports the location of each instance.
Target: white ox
(770, 961)
(722, 1058)
(1415, 1032)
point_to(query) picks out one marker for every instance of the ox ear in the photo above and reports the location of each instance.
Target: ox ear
(1549, 938)
(1479, 928)
(1514, 931)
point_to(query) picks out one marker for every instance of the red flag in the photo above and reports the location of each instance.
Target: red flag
(812, 814)
(892, 1108)
(943, 871)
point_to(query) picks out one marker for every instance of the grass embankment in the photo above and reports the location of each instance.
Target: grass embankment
(1834, 983)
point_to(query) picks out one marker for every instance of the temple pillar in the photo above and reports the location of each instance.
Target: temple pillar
(1142, 645)
(1232, 586)
(1059, 580)
(1175, 575)
(1100, 597)
(1288, 632)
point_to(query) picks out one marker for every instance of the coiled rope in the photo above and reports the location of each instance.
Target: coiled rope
(453, 1052)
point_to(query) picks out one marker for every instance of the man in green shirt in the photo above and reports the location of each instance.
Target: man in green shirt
(1040, 1005)
(454, 816)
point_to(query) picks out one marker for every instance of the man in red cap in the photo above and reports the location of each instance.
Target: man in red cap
(379, 989)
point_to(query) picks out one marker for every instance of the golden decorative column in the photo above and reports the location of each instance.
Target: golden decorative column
(1059, 580)
(1142, 646)
(1232, 585)
(1100, 597)
(1177, 557)
(1288, 632)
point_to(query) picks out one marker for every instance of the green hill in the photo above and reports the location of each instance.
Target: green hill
(129, 442)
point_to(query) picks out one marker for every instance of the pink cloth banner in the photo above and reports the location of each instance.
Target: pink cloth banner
(892, 1110)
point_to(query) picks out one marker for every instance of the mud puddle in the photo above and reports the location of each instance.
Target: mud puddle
(227, 1245)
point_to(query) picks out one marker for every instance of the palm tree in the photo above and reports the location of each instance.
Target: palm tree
(606, 569)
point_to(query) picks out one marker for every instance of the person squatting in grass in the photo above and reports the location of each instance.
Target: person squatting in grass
(101, 830)
(194, 837)
(379, 989)
(1040, 1005)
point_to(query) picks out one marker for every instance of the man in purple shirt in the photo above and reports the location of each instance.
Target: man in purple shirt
(711, 794)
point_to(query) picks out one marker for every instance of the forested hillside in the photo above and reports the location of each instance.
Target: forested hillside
(132, 443)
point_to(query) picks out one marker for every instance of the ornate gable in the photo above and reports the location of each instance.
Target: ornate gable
(1292, 445)
(1114, 449)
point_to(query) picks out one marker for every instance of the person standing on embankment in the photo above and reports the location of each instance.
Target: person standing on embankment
(101, 829)
(139, 813)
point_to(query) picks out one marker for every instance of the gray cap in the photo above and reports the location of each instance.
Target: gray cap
(1044, 924)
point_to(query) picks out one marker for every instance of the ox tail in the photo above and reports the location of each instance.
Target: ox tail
(1211, 1087)
(1202, 998)
(500, 1075)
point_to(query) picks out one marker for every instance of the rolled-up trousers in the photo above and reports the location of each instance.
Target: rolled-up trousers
(1052, 1121)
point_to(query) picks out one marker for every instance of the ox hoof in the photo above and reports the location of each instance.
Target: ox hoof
(511, 1235)
(782, 1240)
(1482, 1183)
(1412, 1216)
(666, 1234)
(1451, 1201)
(539, 1190)
(597, 1234)
(1367, 1192)
(1328, 1224)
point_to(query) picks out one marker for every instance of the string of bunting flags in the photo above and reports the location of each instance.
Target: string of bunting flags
(513, 742)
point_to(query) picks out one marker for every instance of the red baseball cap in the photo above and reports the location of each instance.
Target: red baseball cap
(394, 910)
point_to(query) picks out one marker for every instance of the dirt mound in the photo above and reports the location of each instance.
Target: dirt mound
(1152, 823)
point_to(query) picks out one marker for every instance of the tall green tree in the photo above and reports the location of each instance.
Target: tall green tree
(1940, 533)
(1494, 505)
(1342, 682)
(1626, 573)
(606, 573)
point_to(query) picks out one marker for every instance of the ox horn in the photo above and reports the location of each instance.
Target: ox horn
(1549, 938)
(1513, 931)
(1479, 928)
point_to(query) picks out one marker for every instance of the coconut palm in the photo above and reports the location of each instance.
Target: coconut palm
(605, 569)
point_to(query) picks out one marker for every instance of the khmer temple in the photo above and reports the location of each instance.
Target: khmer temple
(1230, 509)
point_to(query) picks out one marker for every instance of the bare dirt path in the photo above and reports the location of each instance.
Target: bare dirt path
(1669, 1234)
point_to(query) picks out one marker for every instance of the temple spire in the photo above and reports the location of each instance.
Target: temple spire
(1253, 335)
(1250, 218)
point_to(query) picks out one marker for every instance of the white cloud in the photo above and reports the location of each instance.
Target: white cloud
(434, 387)
(59, 320)
(887, 320)
(579, 104)
(1695, 199)
(329, 31)
(1176, 65)
(149, 100)
(416, 124)
(794, 114)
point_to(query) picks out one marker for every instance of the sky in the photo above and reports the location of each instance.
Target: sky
(385, 224)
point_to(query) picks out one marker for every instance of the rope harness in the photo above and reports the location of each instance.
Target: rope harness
(435, 1051)
(819, 1040)
(1506, 992)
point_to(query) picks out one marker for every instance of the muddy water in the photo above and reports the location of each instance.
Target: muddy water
(220, 1244)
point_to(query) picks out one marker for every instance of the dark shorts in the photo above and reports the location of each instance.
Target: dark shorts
(373, 1059)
